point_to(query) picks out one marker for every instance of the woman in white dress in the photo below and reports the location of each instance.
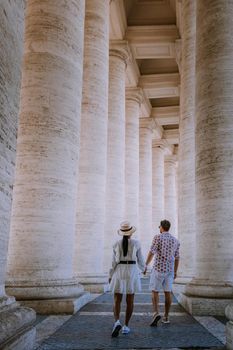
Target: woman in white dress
(124, 277)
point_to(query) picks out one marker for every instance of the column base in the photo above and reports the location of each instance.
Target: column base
(209, 289)
(58, 306)
(94, 283)
(179, 286)
(206, 298)
(229, 326)
(229, 335)
(24, 290)
(6, 301)
(56, 297)
(16, 327)
(183, 280)
(201, 306)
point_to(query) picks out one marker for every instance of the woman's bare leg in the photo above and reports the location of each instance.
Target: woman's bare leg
(117, 305)
(129, 307)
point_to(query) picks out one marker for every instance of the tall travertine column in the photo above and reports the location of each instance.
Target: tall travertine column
(133, 101)
(158, 150)
(186, 155)
(15, 321)
(12, 26)
(93, 147)
(145, 183)
(170, 193)
(212, 286)
(42, 236)
(115, 186)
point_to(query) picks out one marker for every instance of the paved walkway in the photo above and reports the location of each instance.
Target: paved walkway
(90, 328)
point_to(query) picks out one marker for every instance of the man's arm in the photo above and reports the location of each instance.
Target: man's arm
(148, 260)
(176, 267)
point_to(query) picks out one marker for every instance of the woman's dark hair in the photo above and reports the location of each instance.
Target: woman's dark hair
(125, 245)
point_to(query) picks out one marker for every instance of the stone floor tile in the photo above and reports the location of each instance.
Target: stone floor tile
(90, 329)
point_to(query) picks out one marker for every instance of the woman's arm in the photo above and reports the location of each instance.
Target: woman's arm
(114, 264)
(140, 259)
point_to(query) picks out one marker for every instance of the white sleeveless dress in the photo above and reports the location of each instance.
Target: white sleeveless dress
(125, 279)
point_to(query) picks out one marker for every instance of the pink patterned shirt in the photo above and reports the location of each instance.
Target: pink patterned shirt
(166, 249)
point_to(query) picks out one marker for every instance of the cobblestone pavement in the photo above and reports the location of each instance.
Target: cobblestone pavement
(90, 328)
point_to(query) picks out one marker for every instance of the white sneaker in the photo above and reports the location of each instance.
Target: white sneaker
(155, 320)
(116, 329)
(125, 330)
(165, 319)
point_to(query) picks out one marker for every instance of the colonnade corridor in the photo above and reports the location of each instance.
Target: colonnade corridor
(90, 328)
(114, 110)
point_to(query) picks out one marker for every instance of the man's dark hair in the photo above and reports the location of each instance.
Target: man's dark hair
(165, 224)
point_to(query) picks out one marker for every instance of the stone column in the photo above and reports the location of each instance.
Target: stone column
(186, 155)
(115, 186)
(229, 327)
(93, 147)
(133, 101)
(14, 319)
(170, 194)
(158, 149)
(145, 183)
(41, 249)
(212, 287)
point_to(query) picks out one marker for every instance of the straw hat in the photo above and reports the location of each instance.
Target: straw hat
(126, 229)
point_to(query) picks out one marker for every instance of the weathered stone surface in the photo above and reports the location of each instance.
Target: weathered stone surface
(95, 283)
(145, 183)
(214, 151)
(11, 50)
(115, 185)
(157, 183)
(186, 154)
(229, 326)
(58, 306)
(22, 341)
(132, 114)
(170, 192)
(93, 146)
(41, 248)
(16, 328)
(229, 311)
(229, 335)
(203, 306)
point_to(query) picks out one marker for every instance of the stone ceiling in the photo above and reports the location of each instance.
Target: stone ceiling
(152, 30)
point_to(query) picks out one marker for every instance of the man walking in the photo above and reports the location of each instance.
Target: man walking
(165, 248)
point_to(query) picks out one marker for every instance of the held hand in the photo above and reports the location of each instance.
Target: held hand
(145, 270)
(175, 275)
(109, 280)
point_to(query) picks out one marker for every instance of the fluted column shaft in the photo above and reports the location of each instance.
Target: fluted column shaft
(133, 100)
(93, 147)
(115, 185)
(11, 28)
(186, 164)
(16, 322)
(170, 193)
(214, 150)
(145, 183)
(42, 240)
(157, 183)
